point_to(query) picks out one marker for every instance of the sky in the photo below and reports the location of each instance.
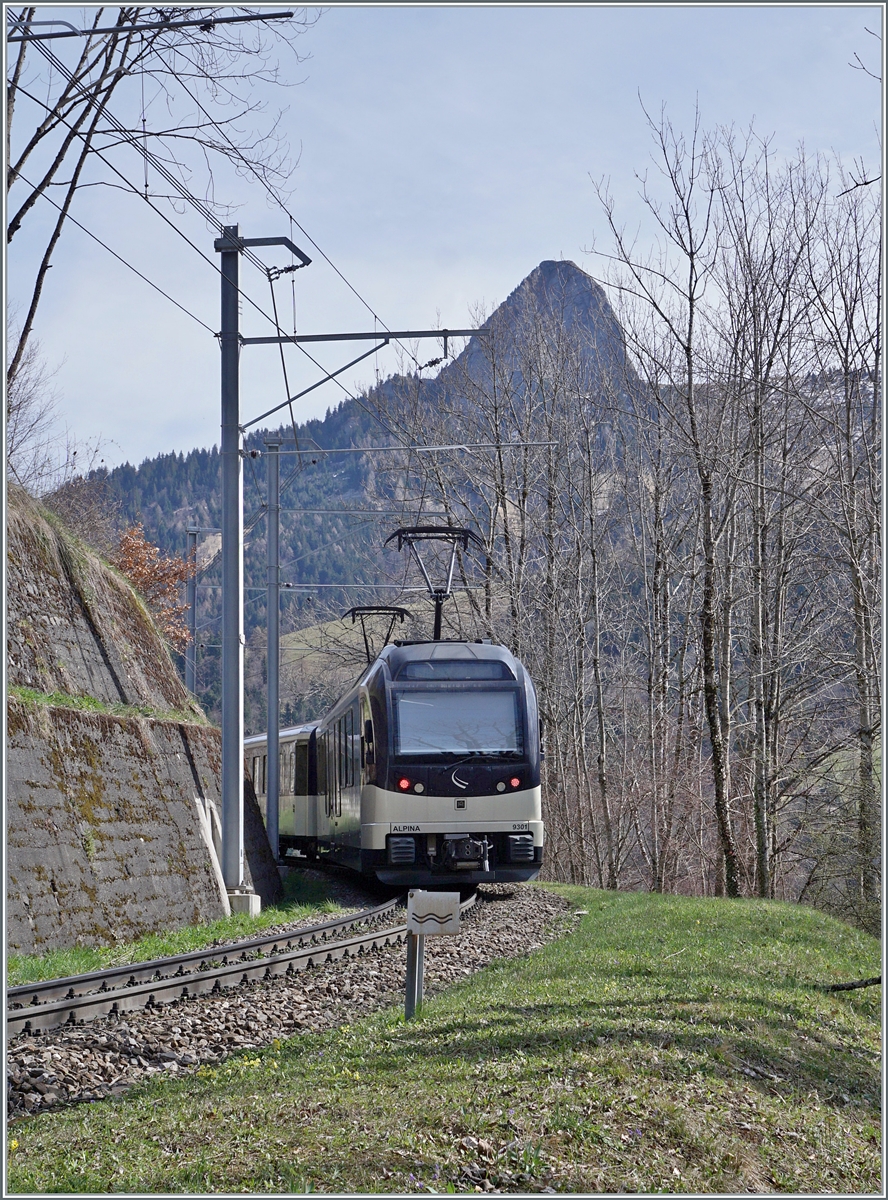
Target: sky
(443, 152)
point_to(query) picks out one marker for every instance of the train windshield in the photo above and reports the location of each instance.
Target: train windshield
(457, 722)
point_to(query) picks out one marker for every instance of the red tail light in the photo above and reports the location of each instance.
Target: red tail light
(404, 785)
(515, 781)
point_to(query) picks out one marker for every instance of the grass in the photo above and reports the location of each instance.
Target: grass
(303, 898)
(84, 703)
(665, 1045)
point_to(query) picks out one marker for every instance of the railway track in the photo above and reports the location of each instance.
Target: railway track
(81, 998)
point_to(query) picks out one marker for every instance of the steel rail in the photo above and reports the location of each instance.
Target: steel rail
(144, 986)
(28, 996)
(70, 986)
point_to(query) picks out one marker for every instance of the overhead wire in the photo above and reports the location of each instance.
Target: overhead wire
(298, 466)
(199, 205)
(150, 158)
(119, 258)
(277, 198)
(184, 236)
(135, 190)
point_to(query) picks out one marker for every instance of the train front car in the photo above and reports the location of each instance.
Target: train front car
(451, 749)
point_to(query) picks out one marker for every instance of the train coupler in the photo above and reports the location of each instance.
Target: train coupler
(466, 853)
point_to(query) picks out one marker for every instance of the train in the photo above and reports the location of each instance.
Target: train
(426, 774)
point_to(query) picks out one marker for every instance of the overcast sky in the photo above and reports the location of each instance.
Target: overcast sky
(444, 152)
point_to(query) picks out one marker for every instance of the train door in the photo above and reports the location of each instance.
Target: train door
(353, 756)
(285, 795)
(305, 821)
(322, 794)
(258, 771)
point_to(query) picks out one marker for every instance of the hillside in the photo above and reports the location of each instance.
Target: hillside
(172, 491)
(665, 1045)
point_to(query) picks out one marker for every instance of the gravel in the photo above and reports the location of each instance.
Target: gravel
(89, 1062)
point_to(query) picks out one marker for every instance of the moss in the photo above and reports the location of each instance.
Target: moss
(32, 696)
(17, 718)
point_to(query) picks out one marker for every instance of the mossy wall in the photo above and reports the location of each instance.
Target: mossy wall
(107, 816)
(103, 828)
(73, 624)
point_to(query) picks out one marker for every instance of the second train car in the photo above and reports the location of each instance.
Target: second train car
(426, 774)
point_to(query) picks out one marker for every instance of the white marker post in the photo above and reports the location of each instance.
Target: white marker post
(429, 914)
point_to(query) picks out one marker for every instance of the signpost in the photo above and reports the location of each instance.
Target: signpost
(429, 914)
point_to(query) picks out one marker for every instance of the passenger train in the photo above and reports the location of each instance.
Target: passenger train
(426, 774)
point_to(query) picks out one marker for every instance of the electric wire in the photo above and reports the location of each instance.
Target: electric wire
(277, 198)
(184, 236)
(197, 204)
(135, 270)
(212, 219)
(252, 461)
(135, 190)
(207, 213)
(299, 465)
(203, 209)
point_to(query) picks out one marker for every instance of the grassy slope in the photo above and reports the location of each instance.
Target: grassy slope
(666, 1045)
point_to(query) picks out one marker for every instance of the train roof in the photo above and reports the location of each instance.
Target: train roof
(291, 731)
(399, 653)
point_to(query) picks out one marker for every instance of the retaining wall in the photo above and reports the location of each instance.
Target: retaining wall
(109, 824)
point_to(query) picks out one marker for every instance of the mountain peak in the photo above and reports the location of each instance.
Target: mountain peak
(560, 286)
(562, 295)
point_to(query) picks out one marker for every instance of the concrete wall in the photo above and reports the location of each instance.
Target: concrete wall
(107, 820)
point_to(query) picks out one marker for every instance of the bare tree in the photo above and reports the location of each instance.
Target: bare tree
(62, 133)
(677, 562)
(31, 420)
(845, 278)
(673, 286)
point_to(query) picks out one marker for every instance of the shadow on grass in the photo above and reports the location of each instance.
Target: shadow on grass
(775, 1057)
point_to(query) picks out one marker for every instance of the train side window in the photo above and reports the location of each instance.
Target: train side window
(322, 764)
(348, 722)
(332, 780)
(263, 768)
(340, 754)
(355, 746)
(300, 769)
(286, 771)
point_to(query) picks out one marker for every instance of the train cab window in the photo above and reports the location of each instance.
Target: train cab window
(455, 669)
(432, 721)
